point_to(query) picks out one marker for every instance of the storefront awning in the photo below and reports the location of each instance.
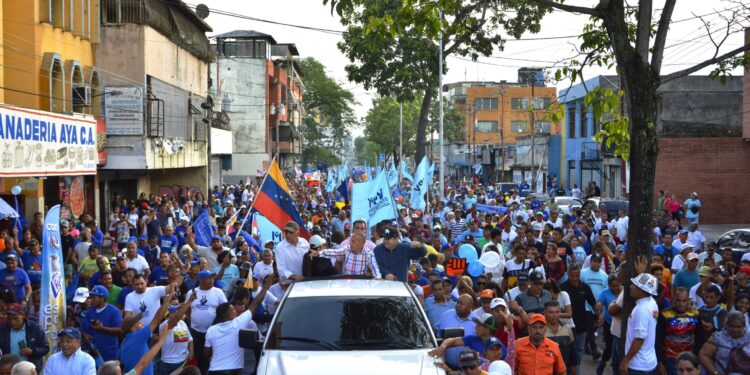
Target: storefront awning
(6, 211)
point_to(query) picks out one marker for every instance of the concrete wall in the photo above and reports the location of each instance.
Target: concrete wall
(716, 168)
(244, 81)
(172, 64)
(746, 96)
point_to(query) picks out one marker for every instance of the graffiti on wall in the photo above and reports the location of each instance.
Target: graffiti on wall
(178, 191)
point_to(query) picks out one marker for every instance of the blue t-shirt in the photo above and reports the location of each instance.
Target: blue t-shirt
(229, 273)
(16, 281)
(168, 243)
(107, 344)
(33, 266)
(181, 233)
(686, 279)
(134, 347)
(606, 297)
(158, 276)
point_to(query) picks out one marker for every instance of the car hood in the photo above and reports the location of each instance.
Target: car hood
(394, 362)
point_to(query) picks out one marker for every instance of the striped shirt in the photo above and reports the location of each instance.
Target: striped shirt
(456, 229)
(355, 263)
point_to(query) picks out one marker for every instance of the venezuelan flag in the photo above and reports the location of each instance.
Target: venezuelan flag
(274, 201)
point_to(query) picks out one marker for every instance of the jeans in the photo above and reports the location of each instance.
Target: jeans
(167, 368)
(580, 337)
(636, 372)
(607, 354)
(616, 355)
(591, 334)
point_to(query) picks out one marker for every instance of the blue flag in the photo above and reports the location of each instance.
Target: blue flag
(378, 170)
(372, 201)
(477, 168)
(330, 182)
(405, 172)
(392, 176)
(343, 189)
(500, 210)
(52, 299)
(266, 230)
(202, 229)
(420, 186)
(251, 241)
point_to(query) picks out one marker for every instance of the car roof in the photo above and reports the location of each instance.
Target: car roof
(348, 287)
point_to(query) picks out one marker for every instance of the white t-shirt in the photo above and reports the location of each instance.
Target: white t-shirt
(697, 300)
(263, 269)
(224, 337)
(564, 299)
(269, 301)
(145, 303)
(616, 326)
(139, 264)
(508, 238)
(678, 263)
(82, 250)
(277, 291)
(175, 349)
(745, 258)
(203, 309)
(642, 325)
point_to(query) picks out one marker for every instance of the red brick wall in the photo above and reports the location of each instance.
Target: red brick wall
(717, 168)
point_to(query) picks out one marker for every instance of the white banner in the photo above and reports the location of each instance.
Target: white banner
(123, 109)
(38, 143)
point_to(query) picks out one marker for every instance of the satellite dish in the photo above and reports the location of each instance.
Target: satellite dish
(202, 11)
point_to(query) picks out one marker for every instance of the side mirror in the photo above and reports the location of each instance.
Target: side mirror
(250, 339)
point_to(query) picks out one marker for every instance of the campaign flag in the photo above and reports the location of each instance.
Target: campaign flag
(420, 186)
(430, 173)
(405, 172)
(251, 241)
(392, 176)
(297, 171)
(492, 209)
(331, 182)
(372, 200)
(477, 168)
(343, 189)
(232, 220)
(52, 306)
(203, 230)
(266, 230)
(312, 176)
(274, 201)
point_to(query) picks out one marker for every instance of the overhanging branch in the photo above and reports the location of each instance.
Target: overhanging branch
(661, 35)
(695, 68)
(569, 8)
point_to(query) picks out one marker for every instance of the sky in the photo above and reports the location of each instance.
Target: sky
(687, 41)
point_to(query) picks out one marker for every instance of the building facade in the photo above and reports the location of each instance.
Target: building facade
(50, 87)
(157, 55)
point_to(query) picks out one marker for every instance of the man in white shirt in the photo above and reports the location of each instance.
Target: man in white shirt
(143, 300)
(203, 311)
(290, 253)
(70, 359)
(640, 355)
(136, 261)
(265, 267)
(695, 237)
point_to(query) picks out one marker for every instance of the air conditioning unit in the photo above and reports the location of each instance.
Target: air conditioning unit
(81, 96)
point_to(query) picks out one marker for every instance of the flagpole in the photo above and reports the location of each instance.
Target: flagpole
(400, 134)
(440, 109)
(260, 187)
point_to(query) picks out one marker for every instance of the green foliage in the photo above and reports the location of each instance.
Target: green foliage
(454, 122)
(382, 126)
(315, 154)
(614, 131)
(365, 151)
(723, 69)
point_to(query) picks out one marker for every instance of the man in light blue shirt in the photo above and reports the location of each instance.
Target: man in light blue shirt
(460, 316)
(692, 207)
(70, 359)
(436, 305)
(594, 277)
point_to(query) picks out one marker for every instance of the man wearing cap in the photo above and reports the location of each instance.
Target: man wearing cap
(135, 261)
(687, 277)
(290, 253)
(536, 354)
(32, 263)
(533, 299)
(102, 323)
(485, 328)
(16, 279)
(692, 208)
(485, 299)
(640, 354)
(203, 311)
(23, 338)
(473, 230)
(70, 359)
(393, 258)
(705, 274)
(210, 253)
(680, 261)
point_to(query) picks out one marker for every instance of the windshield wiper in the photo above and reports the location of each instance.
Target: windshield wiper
(384, 343)
(322, 343)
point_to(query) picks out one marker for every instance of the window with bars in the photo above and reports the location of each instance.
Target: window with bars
(543, 126)
(485, 104)
(519, 126)
(486, 126)
(572, 122)
(584, 121)
(516, 103)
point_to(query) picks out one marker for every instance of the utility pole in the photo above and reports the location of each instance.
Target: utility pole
(533, 134)
(502, 135)
(440, 109)
(400, 137)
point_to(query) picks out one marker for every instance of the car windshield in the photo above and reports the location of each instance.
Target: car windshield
(563, 201)
(349, 323)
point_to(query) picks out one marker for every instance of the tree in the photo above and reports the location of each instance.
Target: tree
(329, 113)
(382, 124)
(401, 60)
(454, 122)
(365, 151)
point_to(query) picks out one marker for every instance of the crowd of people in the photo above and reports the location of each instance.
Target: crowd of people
(147, 299)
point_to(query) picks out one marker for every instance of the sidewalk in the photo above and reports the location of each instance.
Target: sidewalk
(712, 232)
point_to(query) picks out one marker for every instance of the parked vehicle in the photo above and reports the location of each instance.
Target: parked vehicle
(344, 326)
(565, 204)
(613, 205)
(738, 240)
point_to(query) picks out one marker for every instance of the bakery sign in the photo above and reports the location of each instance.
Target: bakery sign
(38, 143)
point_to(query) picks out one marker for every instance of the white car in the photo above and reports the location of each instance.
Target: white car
(566, 204)
(347, 326)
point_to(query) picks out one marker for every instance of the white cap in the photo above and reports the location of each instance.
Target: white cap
(498, 302)
(499, 368)
(317, 241)
(81, 295)
(687, 245)
(692, 256)
(647, 282)
(536, 226)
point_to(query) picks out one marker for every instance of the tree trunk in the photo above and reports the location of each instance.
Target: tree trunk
(422, 126)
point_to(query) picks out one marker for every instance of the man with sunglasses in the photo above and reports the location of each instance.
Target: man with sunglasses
(536, 354)
(290, 253)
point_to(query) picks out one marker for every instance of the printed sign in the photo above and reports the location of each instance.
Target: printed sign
(455, 267)
(123, 109)
(35, 143)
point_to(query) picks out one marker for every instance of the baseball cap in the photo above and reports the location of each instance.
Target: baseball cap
(536, 226)
(523, 277)
(317, 241)
(704, 271)
(73, 333)
(204, 274)
(536, 318)
(692, 256)
(100, 291)
(604, 233)
(216, 238)
(596, 257)
(686, 246)
(536, 277)
(143, 237)
(14, 309)
(486, 320)
(497, 302)
(12, 257)
(81, 294)
(390, 233)
(487, 293)
(246, 266)
(492, 341)
(683, 231)
(468, 358)
(745, 269)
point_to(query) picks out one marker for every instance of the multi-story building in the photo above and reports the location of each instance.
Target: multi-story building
(497, 114)
(156, 56)
(50, 87)
(263, 83)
